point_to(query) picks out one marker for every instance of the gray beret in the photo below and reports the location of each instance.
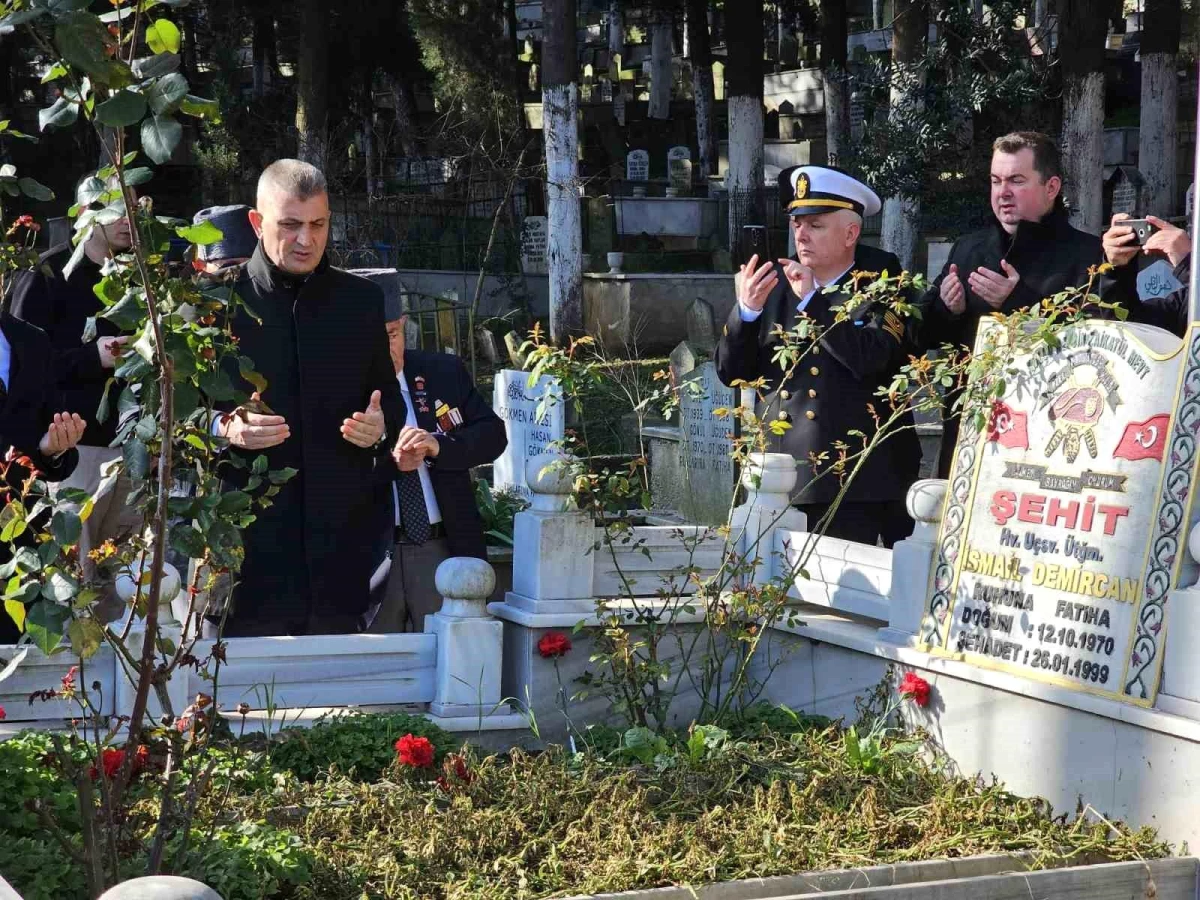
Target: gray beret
(238, 239)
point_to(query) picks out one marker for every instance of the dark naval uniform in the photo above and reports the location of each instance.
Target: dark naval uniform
(829, 395)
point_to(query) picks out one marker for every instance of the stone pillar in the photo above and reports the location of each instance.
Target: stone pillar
(1180, 692)
(169, 629)
(912, 560)
(768, 479)
(470, 642)
(553, 543)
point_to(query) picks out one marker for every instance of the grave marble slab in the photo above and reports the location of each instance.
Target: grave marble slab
(534, 417)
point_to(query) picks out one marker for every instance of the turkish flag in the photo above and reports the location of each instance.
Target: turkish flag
(1143, 440)
(1008, 427)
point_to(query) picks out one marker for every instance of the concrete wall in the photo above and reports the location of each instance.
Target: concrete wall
(498, 293)
(649, 311)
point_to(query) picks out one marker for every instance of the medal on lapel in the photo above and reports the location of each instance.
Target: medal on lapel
(419, 395)
(447, 418)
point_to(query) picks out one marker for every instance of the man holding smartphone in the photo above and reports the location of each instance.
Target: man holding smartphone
(1122, 243)
(831, 393)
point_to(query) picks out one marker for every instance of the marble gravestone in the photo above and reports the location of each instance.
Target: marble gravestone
(533, 245)
(1062, 534)
(637, 165)
(679, 170)
(533, 418)
(705, 444)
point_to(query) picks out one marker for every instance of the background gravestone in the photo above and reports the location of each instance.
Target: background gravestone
(1157, 280)
(533, 244)
(528, 433)
(702, 325)
(637, 165)
(679, 169)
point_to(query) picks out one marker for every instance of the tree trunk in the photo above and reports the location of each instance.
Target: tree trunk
(1157, 135)
(370, 143)
(744, 39)
(702, 84)
(661, 51)
(312, 84)
(901, 215)
(264, 50)
(834, 78)
(564, 230)
(404, 117)
(1039, 13)
(877, 14)
(1082, 28)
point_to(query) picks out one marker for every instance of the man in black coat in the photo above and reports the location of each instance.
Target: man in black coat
(1028, 253)
(330, 403)
(831, 392)
(29, 424)
(82, 368)
(428, 506)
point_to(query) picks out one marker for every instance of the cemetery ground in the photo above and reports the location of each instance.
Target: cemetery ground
(390, 806)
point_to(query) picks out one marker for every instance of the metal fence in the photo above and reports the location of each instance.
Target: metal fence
(443, 225)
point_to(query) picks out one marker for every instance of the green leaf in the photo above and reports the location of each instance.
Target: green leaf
(167, 93)
(60, 587)
(121, 109)
(259, 466)
(234, 502)
(35, 189)
(247, 371)
(66, 527)
(16, 612)
(141, 175)
(282, 476)
(137, 459)
(160, 136)
(162, 36)
(187, 540)
(200, 108)
(84, 43)
(86, 637)
(62, 7)
(55, 72)
(12, 20)
(156, 66)
(44, 623)
(60, 114)
(203, 234)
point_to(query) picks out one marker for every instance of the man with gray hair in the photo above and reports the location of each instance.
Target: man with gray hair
(330, 401)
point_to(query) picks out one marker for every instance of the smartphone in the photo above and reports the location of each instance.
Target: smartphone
(754, 241)
(1142, 229)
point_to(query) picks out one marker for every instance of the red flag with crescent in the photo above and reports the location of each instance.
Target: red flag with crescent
(1008, 427)
(1144, 440)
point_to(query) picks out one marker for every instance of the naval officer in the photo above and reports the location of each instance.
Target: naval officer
(831, 392)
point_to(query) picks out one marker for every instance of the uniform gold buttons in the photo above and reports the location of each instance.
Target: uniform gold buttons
(810, 414)
(812, 393)
(784, 416)
(814, 371)
(785, 395)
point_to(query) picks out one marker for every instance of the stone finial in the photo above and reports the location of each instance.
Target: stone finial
(551, 479)
(160, 887)
(925, 501)
(465, 584)
(770, 475)
(1194, 543)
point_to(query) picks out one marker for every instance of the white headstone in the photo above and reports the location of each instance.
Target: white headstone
(637, 165)
(1061, 529)
(678, 153)
(606, 90)
(533, 244)
(706, 443)
(533, 418)
(939, 253)
(1157, 280)
(679, 169)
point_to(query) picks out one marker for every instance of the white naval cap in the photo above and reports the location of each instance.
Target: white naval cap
(808, 190)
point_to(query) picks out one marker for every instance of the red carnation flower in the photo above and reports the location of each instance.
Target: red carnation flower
(416, 752)
(553, 643)
(915, 688)
(3, 714)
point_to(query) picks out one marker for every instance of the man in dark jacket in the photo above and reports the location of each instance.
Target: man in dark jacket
(1028, 253)
(330, 403)
(832, 391)
(29, 422)
(82, 368)
(1171, 311)
(429, 503)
